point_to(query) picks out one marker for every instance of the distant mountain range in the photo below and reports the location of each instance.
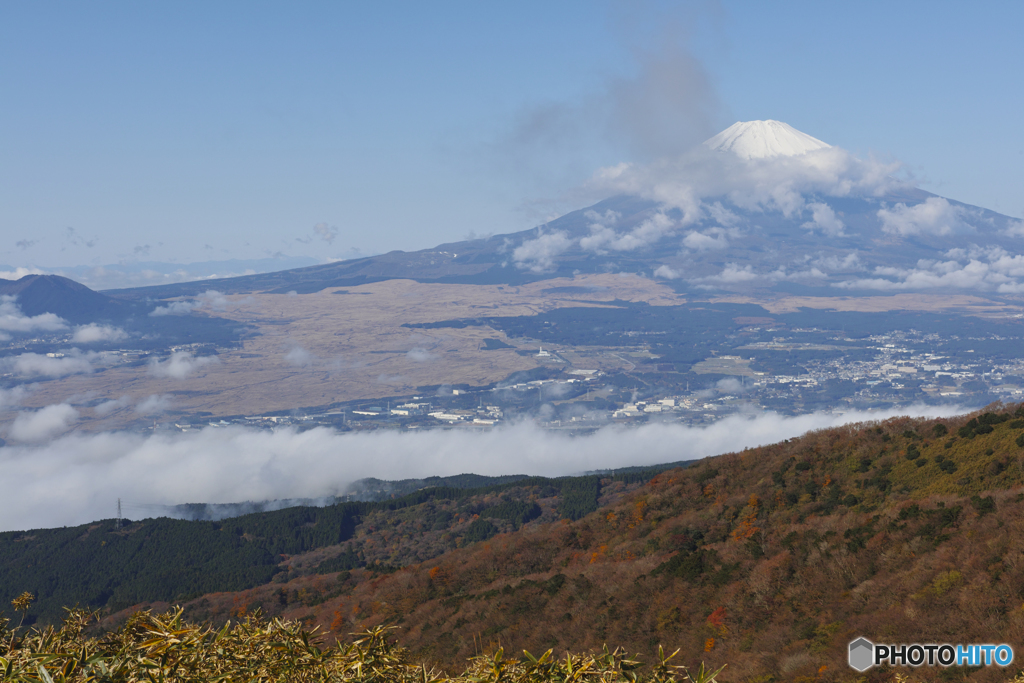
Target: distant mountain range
(149, 273)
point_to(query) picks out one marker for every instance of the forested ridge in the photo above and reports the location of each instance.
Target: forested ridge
(103, 566)
(769, 560)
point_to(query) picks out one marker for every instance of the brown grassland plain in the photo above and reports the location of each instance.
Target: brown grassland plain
(345, 344)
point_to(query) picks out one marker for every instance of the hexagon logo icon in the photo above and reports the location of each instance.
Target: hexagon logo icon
(862, 654)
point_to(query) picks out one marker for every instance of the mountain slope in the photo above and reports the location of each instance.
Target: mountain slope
(759, 207)
(770, 560)
(111, 565)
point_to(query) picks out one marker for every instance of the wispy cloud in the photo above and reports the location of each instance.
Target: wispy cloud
(155, 404)
(12, 397)
(13, 320)
(175, 308)
(299, 357)
(934, 216)
(538, 255)
(211, 299)
(780, 183)
(712, 238)
(689, 188)
(93, 333)
(43, 424)
(108, 407)
(36, 365)
(179, 365)
(419, 355)
(984, 269)
(326, 232)
(824, 220)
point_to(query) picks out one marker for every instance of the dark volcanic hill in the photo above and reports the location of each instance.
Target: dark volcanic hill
(74, 302)
(77, 304)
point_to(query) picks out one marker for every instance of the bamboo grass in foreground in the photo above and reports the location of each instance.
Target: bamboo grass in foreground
(165, 648)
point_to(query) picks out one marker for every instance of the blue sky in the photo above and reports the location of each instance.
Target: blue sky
(191, 131)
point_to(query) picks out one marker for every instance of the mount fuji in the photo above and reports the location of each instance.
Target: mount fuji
(763, 139)
(761, 206)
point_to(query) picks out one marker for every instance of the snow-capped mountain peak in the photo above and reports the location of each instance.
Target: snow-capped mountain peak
(763, 139)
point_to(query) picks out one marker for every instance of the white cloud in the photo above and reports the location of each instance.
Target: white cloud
(712, 238)
(538, 255)
(733, 274)
(601, 230)
(326, 232)
(107, 407)
(43, 424)
(1014, 229)
(13, 320)
(419, 355)
(781, 274)
(180, 365)
(157, 403)
(934, 216)
(693, 184)
(86, 471)
(804, 270)
(697, 182)
(645, 234)
(667, 273)
(823, 218)
(175, 308)
(722, 215)
(979, 268)
(215, 300)
(770, 184)
(299, 357)
(12, 397)
(598, 239)
(211, 299)
(609, 217)
(92, 333)
(832, 263)
(27, 365)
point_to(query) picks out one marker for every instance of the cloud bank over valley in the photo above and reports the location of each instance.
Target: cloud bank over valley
(78, 477)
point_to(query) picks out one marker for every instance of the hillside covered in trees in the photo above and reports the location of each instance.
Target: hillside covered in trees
(110, 566)
(769, 560)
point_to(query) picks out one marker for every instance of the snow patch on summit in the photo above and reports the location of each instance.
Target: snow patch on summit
(764, 139)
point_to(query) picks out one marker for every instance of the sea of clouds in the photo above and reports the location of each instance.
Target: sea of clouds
(77, 477)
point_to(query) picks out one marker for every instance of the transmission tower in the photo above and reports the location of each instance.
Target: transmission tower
(117, 525)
